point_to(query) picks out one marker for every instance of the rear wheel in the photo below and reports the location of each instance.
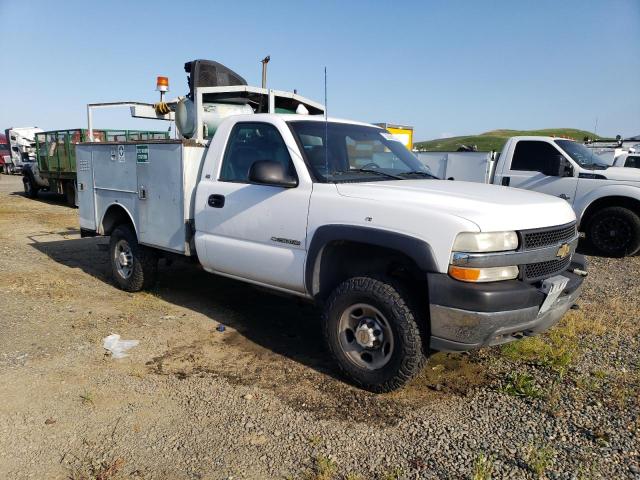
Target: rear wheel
(30, 189)
(70, 193)
(373, 333)
(134, 266)
(615, 232)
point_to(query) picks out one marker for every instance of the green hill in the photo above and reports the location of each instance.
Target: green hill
(495, 139)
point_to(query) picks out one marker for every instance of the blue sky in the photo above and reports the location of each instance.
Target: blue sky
(445, 67)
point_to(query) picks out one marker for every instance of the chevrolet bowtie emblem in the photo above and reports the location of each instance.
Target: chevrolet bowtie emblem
(563, 251)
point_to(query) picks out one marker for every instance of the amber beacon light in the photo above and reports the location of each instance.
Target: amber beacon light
(162, 84)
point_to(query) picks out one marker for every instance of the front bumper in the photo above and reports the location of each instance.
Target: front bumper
(465, 316)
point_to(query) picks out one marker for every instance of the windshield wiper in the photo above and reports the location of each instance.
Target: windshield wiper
(418, 172)
(595, 166)
(377, 172)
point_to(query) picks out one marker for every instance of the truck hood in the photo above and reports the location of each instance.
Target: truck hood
(626, 174)
(491, 207)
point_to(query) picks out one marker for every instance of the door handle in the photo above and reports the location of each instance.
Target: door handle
(506, 181)
(216, 201)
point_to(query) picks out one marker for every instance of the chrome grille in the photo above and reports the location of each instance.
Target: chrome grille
(547, 236)
(542, 270)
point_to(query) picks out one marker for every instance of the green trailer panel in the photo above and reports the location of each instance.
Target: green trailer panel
(56, 153)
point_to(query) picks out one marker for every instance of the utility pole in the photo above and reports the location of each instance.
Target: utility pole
(264, 62)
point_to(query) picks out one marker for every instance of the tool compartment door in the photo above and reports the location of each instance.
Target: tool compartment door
(86, 199)
(160, 195)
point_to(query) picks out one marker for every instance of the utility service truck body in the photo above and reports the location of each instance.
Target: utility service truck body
(341, 213)
(605, 198)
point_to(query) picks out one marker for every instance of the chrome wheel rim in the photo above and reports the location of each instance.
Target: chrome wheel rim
(123, 258)
(365, 336)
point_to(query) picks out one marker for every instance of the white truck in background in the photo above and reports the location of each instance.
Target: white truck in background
(337, 212)
(628, 158)
(22, 145)
(605, 198)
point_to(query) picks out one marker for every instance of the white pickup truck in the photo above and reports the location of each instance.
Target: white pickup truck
(342, 214)
(606, 199)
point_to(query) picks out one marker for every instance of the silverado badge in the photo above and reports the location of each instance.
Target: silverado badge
(563, 251)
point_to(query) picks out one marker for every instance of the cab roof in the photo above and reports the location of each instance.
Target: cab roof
(291, 117)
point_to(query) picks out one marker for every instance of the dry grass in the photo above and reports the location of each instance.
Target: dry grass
(482, 467)
(555, 351)
(87, 398)
(539, 457)
(48, 220)
(323, 469)
(101, 471)
(562, 346)
(37, 284)
(522, 385)
(393, 474)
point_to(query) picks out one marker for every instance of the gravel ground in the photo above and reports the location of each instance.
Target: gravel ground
(261, 399)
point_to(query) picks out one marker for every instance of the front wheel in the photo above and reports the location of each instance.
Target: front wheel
(614, 232)
(373, 333)
(134, 266)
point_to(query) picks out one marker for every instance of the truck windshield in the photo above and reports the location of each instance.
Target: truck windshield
(584, 156)
(343, 152)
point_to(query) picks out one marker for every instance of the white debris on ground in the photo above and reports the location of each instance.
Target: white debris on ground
(118, 347)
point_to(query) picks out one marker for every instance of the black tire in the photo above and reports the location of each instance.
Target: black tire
(409, 351)
(30, 189)
(614, 232)
(143, 268)
(70, 193)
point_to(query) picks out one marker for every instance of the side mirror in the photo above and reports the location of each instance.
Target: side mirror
(268, 172)
(559, 166)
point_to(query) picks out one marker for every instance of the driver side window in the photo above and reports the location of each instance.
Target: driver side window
(533, 156)
(249, 143)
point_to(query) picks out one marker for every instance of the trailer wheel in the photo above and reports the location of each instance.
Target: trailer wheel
(373, 333)
(134, 266)
(614, 232)
(30, 190)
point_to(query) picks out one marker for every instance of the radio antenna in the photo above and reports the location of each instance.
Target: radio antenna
(326, 125)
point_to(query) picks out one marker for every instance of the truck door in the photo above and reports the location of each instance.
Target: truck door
(255, 232)
(529, 169)
(86, 199)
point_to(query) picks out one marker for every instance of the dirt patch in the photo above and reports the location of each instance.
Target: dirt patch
(318, 392)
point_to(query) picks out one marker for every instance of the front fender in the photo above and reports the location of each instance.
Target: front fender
(418, 250)
(618, 190)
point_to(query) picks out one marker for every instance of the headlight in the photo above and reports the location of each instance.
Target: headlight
(485, 242)
(487, 274)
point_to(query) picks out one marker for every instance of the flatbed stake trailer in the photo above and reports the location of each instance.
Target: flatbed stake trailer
(55, 166)
(337, 212)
